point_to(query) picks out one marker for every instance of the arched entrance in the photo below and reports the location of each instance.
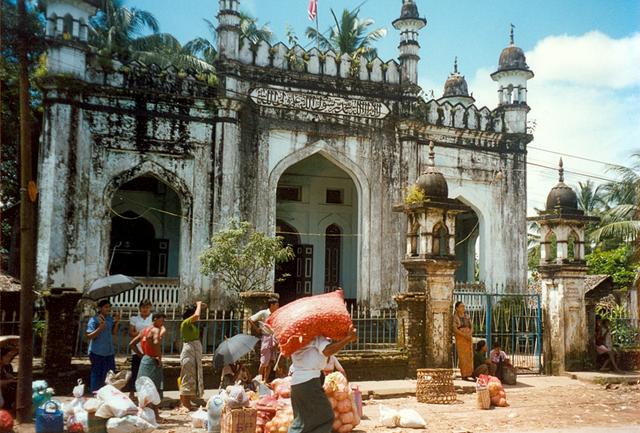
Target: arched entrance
(467, 247)
(321, 200)
(145, 229)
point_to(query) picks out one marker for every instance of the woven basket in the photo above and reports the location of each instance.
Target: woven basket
(435, 385)
(239, 421)
(483, 397)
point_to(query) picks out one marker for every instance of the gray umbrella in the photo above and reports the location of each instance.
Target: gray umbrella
(110, 286)
(234, 348)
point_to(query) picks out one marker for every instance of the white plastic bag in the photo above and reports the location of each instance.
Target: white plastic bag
(389, 417)
(114, 403)
(147, 414)
(118, 380)
(129, 424)
(92, 405)
(409, 418)
(78, 400)
(147, 392)
(199, 417)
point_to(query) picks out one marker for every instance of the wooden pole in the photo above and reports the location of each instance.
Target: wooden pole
(27, 229)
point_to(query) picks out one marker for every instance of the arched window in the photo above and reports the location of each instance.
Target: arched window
(550, 247)
(132, 241)
(67, 26)
(440, 240)
(573, 247)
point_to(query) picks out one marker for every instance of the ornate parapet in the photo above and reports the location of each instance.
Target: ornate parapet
(316, 62)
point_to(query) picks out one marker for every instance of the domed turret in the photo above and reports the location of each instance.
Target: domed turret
(562, 197)
(456, 89)
(409, 25)
(432, 182)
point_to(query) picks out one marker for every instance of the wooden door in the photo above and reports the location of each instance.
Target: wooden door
(332, 256)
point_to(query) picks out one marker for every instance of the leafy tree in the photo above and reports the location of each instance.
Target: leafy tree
(617, 263)
(243, 258)
(590, 197)
(119, 31)
(10, 33)
(349, 35)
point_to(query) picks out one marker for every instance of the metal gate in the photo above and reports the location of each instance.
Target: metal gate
(513, 320)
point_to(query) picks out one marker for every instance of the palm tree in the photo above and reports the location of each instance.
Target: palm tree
(590, 197)
(621, 219)
(205, 49)
(119, 31)
(349, 35)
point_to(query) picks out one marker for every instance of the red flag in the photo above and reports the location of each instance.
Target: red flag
(313, 9)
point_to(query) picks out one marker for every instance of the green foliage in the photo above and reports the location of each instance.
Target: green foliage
(414, 195)
(616, 263)
(349, 34)
(39, 328)
(623, 332)
(243, 258)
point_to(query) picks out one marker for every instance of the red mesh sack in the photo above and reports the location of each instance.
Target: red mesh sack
(6, 422)
(296, 324)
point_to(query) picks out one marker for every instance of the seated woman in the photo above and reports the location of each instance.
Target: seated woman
(604, 345)
(482, 364)
(503, 368)
(8, 379)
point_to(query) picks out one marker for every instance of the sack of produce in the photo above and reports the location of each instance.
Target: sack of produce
(409, 418)
(129, 424)
(282, 387)
(389, 417)
(115, 403)
(296, 324)
(496, 390)
(281, 421)
(343, 402)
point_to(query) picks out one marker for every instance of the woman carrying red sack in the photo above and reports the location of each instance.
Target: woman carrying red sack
(312, 411)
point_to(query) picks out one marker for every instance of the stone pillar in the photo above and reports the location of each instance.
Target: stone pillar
(439, 307)
(565, 322)
(252, 302)
(62, 318)
(411, 327)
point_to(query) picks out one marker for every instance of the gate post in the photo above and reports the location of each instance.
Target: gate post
(61, 317)
(411, 317)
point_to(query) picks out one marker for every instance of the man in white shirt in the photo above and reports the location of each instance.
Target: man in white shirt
(311, 409)
(136, 324)
(267, 348)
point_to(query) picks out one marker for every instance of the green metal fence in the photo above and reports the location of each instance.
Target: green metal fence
(513, 320)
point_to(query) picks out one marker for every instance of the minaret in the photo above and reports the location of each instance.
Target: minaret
(409, 24)
(67, 32)
(512, 76)
(456, 90)
(229, 29)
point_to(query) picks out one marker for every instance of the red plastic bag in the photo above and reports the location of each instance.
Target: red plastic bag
(296, 324)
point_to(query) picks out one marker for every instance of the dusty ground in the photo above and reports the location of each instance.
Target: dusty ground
(571, 405)
(553, 403)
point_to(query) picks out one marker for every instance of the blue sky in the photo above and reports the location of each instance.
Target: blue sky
(585, 97)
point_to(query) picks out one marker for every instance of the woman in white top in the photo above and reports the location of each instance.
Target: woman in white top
(136, 325)
(311, 409)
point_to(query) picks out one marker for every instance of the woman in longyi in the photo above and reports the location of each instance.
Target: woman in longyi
(462, 329)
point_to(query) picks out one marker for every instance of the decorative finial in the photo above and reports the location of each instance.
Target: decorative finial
(432, 155)
(511, 35)
(455, 65)
(561, 171)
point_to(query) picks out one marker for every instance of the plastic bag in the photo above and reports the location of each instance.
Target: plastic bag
(215, 405)
(78, 400)
(147, 392)
(118, 380)
(409, 418)
(296, 324)
(198, 418)
(389, 417)
(147, 414)
(129, 424)
(509, 376)
(236, 397)
(115, 403)
(92, 405)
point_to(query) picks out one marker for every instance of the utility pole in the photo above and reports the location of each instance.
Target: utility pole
(28, 192)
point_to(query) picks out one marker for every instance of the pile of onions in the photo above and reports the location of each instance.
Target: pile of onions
(282, 387)
(281, 422)
(496, 391)
(345, 411)
(266, 407)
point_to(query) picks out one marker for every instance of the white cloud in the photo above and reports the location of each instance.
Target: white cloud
(585, 100)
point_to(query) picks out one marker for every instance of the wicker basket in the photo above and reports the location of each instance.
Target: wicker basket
(483, 397)
(435, 385)
(239, 421)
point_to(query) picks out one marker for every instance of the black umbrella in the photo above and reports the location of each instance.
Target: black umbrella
(232, 349)
(110, 286)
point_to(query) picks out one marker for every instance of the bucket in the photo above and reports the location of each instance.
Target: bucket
(49, 418)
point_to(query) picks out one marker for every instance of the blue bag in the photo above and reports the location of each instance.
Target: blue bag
(49, 418)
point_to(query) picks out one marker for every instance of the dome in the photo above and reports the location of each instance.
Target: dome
(409, 10)
(511, 58)
(456, 85)
(562, 195)
(432, 182)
